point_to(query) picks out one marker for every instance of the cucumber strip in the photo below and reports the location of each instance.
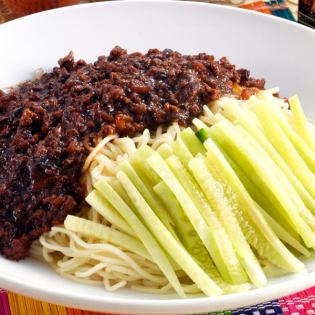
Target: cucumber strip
(253, 165)
(207, 111)
(183, 227)
(199, 124)
(149, 242)
(276, 222)
(282, 144)
(182, 152)
(293, 195)
(211, 236)
(217, 118)
(245, 121)
(104, 208)
(107, 234)
(114, 182)
(283, 234)
(300, 122)
(228, 254)
(254, 226)
(214, 192)
(192, 142)
(165, 150)
(257, 195)
(148, 194)
(300, 145)
(139, 162)
(176, 251)
(192, 241)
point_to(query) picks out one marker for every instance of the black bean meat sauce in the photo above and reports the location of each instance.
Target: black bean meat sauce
(44, 123)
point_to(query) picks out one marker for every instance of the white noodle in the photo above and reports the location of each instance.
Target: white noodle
(91, 261)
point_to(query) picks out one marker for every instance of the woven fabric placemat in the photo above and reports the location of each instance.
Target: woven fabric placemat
(302, 303)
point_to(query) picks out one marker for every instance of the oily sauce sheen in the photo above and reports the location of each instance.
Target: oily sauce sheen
(44, 123)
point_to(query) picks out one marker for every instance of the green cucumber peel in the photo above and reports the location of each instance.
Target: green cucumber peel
(202, 135)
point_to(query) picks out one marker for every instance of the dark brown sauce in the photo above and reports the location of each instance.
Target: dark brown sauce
(43, 123)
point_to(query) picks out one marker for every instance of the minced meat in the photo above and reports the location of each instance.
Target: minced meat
(44, 122)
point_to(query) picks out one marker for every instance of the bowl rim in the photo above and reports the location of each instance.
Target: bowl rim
(143, 306)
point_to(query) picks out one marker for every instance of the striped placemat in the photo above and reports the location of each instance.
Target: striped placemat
(302, 303)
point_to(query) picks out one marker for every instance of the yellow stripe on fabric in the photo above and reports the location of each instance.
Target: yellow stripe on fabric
(27, 306)
(21, 305)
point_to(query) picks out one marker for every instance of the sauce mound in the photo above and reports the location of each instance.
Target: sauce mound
(45, 122)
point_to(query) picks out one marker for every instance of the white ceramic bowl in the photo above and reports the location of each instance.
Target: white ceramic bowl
(278, 50)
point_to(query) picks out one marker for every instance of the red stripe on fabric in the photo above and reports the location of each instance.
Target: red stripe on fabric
(4, 303)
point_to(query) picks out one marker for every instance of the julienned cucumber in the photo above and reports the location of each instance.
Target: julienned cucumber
(257, 195)
(223, 206)
(304, 212)
(138, 162)
(283, 234)
(105, 209)
(227, 255)
(300, 122)
(182, 152)
(282, 144)
(300, 145)
(247, 123)
(100, 231)
(192, 143)
(251, 187)
(287, 235)
(165, 150)
(253, 165)
(168, 242)
(148, 194)
(209, 237)
(254, 226)
(192, 241)
(142, 232)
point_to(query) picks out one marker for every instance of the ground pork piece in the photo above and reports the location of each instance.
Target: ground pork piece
(44, 123)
